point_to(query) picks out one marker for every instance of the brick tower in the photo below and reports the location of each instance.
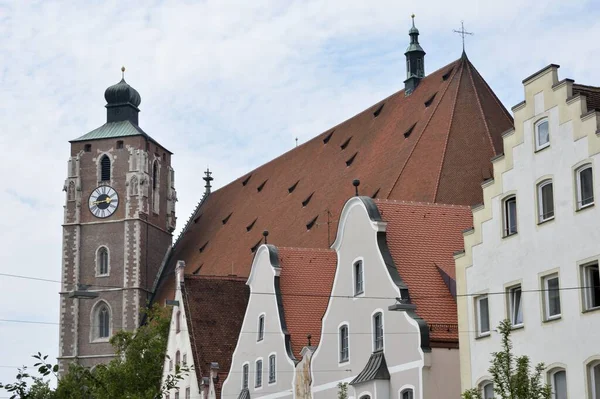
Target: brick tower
(118, 223)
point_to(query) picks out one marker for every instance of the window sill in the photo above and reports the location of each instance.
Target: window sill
(584, 207)
(272, 383)
(358, 294)
(100, 340)
(483, 335)
(591, 310)
(344, 363)
(510, 235)
(553, 318)
(517, 327)
(102, 275)
(540, 149)
(546, 220)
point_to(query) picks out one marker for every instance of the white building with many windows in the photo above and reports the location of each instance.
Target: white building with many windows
(532, 256)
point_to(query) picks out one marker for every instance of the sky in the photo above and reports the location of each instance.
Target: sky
(225, 84)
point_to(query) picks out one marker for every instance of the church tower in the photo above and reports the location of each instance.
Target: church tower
(119, 216)
(415, 61)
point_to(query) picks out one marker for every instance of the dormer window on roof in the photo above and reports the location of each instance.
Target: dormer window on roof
(246, 180)
(328, 137)
(409, 131)
(251, 225)
(378, 110)
(293, 187)
(428, 102)
(202, 248)
(227, 218)
(262, 185)
(349, 161)
(307, 200)
(345, 143)
(310, 224)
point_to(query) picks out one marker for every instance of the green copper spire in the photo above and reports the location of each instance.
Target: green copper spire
(415, 60)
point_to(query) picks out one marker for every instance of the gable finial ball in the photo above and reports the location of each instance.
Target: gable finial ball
(265, 234)
(122, 69)
(356, 183)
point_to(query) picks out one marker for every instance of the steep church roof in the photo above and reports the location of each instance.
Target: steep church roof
(433, 145)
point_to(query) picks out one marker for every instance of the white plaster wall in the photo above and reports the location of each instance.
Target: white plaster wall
(262, 301)
(181, 341)
(357, 239)
(559, 244)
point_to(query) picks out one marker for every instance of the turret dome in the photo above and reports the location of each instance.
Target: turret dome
(121, 94)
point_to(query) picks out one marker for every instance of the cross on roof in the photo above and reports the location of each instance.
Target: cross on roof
(463, 32)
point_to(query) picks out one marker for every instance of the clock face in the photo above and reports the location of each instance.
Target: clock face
(104, 201)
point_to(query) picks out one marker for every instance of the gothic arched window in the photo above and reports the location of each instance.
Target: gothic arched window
(102, 261)
(155, 183)
(105, 168)
(101, 322)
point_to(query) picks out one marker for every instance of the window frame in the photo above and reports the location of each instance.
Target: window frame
(406, 391)
(105, 176)
(95, 335)
(378, 340)
(552, 380)
(591, 378)
(543, 214)
(483, 386)
(178, 322)
(258, 371)
(507, 227)
(579, 194)
(178, 358)
(358, 270)
(536, 130)
(245, 375)
(341, 352)
(511, 292)
(102, 249)
(478, 318)
(272, 368)
(261, 328)
(546, 296)
(587, 291)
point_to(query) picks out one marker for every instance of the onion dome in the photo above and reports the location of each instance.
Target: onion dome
(122, 93)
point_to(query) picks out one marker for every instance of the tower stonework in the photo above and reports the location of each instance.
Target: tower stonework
(119, 216)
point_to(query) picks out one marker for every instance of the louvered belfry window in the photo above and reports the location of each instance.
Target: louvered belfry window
(105, 168)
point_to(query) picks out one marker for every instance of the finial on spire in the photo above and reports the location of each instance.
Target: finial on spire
(207, 178)
(123, 72)
(266, 234)
(463, 32)
(356, 183)
(413, 19)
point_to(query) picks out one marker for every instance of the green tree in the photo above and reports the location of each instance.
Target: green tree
(512, 376)
(135, 373)
(343, 390)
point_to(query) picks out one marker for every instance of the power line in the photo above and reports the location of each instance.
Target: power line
(313, 295)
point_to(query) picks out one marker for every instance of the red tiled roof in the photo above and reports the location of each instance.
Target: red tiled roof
(444, 159)
(422, 237)
(215, 308)
(591, 93)
(305, 297)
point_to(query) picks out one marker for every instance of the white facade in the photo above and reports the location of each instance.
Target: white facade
(426, 373)
(551, 243)
(179, 348)
(252, 347)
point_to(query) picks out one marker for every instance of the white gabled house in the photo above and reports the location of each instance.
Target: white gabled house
(377, 311)
(533, 254)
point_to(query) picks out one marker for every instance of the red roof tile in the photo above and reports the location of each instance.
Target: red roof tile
(422, 238)
(305, 298)
(444, 159)
(215, 308)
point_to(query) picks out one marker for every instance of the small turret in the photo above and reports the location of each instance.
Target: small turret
(415, 60)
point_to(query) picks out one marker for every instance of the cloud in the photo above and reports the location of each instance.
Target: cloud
(228, 84)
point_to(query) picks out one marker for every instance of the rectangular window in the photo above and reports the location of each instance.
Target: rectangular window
(176, 395)
(515, 305)
(119, 144)
(258, 380)
(272, 370)
(542, 135)
(482, 316)
(261, 328)
(358, 278)
(344, 350)
(551, 297)
(87, 148)
(184, 359)
(591, 286)
(545, 201)
(378, 332)
(510, 216)
(245, 376)
(187, 393)
(585, 187)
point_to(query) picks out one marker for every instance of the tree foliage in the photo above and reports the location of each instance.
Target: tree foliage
(135, 373)
(512, 376)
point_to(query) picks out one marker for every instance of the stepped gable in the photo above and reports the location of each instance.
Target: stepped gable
(422, 238)
(306, 280)
(215, 307)
(434, 145)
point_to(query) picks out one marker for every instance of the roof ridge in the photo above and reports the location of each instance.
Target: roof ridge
(412, 150)
(187, 224)
(329, 250)
(487, 127)
(443, 158)
(431, 204)
(491, 92)
(577, 85)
